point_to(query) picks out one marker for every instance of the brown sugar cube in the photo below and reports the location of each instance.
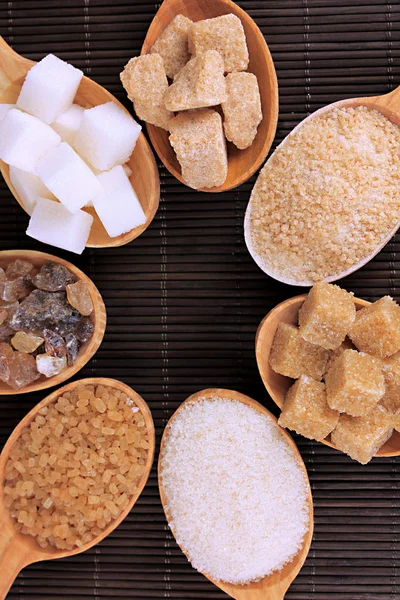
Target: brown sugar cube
(306, 410)
(355, 383)
(199, 84)
(362, 437)
(224, 34)
(198, 139)
(146, 83)
(292, 356)
(242, 109)
(391, 374)
(326, 315)
(376, 329)
(172, 45)
(334, 354)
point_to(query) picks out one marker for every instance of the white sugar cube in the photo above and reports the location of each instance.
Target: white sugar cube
(118, 206)
(68, 123)
(24, 140)
(28, 188)
(49, 88)
(107, 136)
(4, 108)
(51, 223)
(65, 174)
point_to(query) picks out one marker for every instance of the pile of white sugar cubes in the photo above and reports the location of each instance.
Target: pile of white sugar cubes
(57, 150)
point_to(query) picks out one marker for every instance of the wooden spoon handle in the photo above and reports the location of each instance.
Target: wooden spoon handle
(12, 66)
(12, 559)
(391, 100)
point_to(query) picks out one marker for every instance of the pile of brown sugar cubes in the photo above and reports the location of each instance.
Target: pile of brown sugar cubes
(207, 63)
(358, 401)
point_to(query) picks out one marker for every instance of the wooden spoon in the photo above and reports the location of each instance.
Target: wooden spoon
(275, 586)
(18, 550)
(277, 385)
(242, 163)
(144, 178)
(98, 316)
(389, 106)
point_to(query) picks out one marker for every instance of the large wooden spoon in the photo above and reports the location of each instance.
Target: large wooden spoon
(389, 106)
(241, 163)
(277, 385)
(18, 550)
(144, 178)
(275, 586)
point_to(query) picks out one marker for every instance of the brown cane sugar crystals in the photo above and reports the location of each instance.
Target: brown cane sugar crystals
(328, 196)
(75, 467)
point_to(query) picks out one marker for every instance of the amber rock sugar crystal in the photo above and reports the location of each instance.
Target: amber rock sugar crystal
(362, 437)
(199, 84)
(326, 315)
(242, 109)
(376, 329)
(172, 45)
(306, 410)
(198, 139)
(145, 82)
(224, 34)
(76, 466)
(292, 356)
(355, 383)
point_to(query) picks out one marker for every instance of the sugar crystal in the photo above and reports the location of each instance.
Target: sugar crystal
(224, 34)
(24, 140)
(242, 109)
(68, 123)
(49, 88)
(68, 177)
(107, 136)
(198, 139)
(79, 297)
(200, 83)
(51, 223)
(144, 78)
(376, 329)
(172, 45)
(117, 206)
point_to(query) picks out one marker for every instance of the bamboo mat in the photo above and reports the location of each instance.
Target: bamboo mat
(184, 300)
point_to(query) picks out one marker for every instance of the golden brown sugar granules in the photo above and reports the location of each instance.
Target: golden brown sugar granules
(328, 196)
(75, 467)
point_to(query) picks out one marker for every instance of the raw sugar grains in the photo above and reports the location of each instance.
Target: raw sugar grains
(76, 466)
(235, 494)
(328, 195)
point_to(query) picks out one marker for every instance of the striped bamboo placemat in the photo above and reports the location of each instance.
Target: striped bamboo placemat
(184, 300)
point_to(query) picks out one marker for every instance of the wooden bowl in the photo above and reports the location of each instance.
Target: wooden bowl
(18, 550)
(144, 178)
(242, 164)
(275, 585)
(98, 316)
(277, 385)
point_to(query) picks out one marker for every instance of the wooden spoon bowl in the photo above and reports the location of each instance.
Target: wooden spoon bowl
(275, 586)
(241, 163)
(18, 550)
(144, 178)
(98, 317)
(389, 106)
(277, 385)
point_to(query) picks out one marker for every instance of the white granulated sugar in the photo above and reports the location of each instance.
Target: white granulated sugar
(236, 494)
